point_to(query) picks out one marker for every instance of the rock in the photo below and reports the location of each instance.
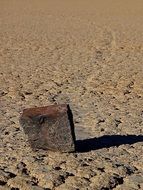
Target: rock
(49, 127)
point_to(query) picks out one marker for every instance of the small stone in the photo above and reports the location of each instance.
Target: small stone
(49, 127)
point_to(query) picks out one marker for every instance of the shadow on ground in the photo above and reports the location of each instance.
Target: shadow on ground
(106, 141)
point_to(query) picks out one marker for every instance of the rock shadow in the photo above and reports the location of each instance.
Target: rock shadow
(106, 141)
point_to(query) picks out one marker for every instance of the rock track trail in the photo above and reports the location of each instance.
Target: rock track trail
(88, 54)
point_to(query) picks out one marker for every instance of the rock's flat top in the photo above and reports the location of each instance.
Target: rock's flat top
(50, 110)
(88, 54)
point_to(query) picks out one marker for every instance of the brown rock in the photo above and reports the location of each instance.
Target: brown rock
(49, 127)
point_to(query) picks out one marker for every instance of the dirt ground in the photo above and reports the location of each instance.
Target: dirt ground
(88, 54)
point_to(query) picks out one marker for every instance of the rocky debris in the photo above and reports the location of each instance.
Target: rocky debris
(49, 127)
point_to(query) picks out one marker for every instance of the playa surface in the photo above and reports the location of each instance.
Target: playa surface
(88, 54)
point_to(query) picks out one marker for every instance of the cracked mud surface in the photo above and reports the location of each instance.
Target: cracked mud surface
(88, 54)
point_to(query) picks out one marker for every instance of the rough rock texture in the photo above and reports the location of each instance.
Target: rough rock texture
(49, 127)
(88, 54)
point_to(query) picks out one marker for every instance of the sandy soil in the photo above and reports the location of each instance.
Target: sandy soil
(85, 53)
